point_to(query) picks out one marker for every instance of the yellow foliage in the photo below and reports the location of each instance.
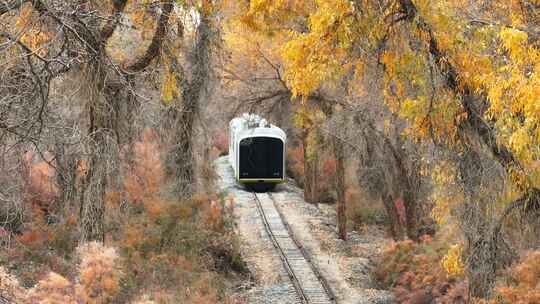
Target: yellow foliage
(492, 58)
(445, 199)
(169, 87)
(452, 262)
(322, 53)
(514, 41)
(24, 17)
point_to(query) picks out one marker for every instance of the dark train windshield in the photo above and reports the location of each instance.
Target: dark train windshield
(261, 157)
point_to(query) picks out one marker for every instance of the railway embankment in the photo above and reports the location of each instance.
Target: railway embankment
(344, 267)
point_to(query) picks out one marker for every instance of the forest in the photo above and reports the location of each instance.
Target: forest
(419, 117)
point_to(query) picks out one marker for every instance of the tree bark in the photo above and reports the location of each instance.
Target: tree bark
(94, 183)
(391, 179)
(157, 40)
(104, 119)
(307, 168)
(396, 228)
(310, 167)
(339, 155)
(182, 115)
(66, 169)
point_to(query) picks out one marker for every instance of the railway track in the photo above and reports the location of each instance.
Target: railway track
(310, 285)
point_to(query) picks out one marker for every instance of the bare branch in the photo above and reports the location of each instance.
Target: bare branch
(6, 6)
(108, 29)
(155, 46)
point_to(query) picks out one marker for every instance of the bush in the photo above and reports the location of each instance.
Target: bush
(362, 212)
(179, 244)
(99, 273)
(9, 286)
(54, 288)
(219, 144)
(415, 274)
(163, 249)
(295, 164)
(97, 282)
(524, 284)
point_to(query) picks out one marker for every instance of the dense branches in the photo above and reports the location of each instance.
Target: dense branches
(82, 44)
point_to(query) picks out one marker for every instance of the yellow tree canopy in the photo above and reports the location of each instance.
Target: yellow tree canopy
(434, 53)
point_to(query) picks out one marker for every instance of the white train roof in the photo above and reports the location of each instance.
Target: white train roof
(252, 125)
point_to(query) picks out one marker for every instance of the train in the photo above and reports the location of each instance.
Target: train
(257, 152)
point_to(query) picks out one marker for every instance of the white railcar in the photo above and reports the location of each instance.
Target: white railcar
(257, 152)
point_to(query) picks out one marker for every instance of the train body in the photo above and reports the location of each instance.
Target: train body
(257, 152)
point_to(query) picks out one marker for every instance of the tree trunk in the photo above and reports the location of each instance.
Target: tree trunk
(482, 252)
(395, 225)
(406, 185)
(180, 155)
(102, 144)
(411, 215)
(337, 148)
(310, 167)
(66, 170)
(183, 159)
(92, 210)
(314, 173)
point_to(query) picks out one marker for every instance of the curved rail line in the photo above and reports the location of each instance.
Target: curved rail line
(311, 286)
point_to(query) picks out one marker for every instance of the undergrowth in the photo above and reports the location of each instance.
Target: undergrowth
(415, 274)
(523, 284)
(158, 248)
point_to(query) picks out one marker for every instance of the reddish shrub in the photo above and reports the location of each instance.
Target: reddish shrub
(400, 207)
(220, 141)
(41, 191)
(414, 273)
(146, 176)
(295, 163)
(329, 167)
(150, 135)
(525, 285)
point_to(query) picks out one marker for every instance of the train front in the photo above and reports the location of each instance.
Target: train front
(261, 158)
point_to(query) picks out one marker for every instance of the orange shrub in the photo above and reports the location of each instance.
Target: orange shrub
(150, 135)
(400, 207)
(172, 251)
(414, 273)
(525, 288)
(98, 282)
(329, 166)
(146, 175)
(99, 273)
(41, 191)
(52, 289)
(220, 142)
(326, 176)
(34, 238)
(295, 163)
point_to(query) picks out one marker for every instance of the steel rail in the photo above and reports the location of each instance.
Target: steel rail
(305, 253)
(284, 259)
(307, 257)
